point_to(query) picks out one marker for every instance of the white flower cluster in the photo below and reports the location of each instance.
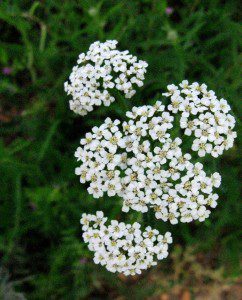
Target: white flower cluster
(121, 247)
(142, 164)
(98, 71)
(204, 115)
(140, 160)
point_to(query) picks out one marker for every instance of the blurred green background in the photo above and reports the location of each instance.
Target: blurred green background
(41, 249)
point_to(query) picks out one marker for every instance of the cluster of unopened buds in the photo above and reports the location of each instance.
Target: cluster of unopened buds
(140, 160)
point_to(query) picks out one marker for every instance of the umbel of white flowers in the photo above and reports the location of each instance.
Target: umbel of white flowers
(121, 247)
(100, 70)
(203, 115)
(141, 163)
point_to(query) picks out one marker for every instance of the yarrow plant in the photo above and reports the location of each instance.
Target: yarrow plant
(100, 70)
(140, 160)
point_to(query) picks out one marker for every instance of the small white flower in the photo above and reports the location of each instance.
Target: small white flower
(216, 179)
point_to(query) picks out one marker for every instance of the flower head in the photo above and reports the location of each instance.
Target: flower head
(7, 70)
(123, 248)
(140, 162)
(204, 116)
(100, 70)
(169, 10)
